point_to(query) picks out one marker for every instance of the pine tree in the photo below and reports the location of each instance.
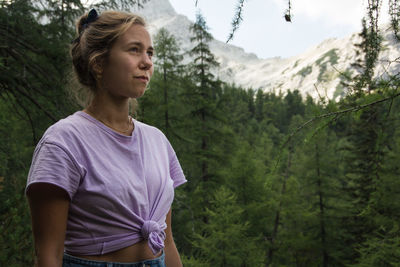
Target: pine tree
(224, 242)
(203, 95)
(367, 142)
(318, 167)
(168, 59)
(278, 213)
(381, 246)
(259, 106)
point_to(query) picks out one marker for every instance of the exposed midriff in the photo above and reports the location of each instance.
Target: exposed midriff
(137, 252)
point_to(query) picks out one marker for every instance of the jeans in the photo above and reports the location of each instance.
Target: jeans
(71, 261)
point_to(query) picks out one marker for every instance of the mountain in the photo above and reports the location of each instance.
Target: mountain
(316, 72)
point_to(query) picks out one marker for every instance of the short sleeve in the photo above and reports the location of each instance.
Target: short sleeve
(175, 169)
(53, 165)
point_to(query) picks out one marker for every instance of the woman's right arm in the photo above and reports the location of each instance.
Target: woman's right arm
(49, 206)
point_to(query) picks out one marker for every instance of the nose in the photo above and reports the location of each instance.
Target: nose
(146, 62)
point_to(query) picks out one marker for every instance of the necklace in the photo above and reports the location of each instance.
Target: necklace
(109, 126)
(118, 130)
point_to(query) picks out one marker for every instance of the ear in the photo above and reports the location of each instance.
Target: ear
(97, 68)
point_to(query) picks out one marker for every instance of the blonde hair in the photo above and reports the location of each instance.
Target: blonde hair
(92, 47)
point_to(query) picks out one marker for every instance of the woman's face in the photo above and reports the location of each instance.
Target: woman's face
(129, 67)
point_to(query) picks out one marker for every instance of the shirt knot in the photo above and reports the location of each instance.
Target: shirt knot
(152, 232)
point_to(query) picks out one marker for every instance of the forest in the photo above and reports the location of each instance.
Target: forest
(274, 178)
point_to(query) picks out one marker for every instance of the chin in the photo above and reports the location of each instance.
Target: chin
(138, 94)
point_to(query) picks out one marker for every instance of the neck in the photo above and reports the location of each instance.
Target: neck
(111, 111)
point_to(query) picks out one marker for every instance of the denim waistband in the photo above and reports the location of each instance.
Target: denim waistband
(72, 261)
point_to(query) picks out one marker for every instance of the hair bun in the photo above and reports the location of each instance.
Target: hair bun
(80, 24)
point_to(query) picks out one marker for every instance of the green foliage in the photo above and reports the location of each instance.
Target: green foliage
(192, 261)
(16, 148)
(344, 77)
(167, 55)
(203, 60)
(367, 52)
(381, 247)
(225, 233)
(168, 59)
(203, 98)
(16, 242)
(330, 197)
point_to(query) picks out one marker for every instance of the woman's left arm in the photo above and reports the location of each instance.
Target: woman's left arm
(172, 258)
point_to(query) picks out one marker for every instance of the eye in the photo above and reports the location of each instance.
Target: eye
(134, 49)
(150, 54)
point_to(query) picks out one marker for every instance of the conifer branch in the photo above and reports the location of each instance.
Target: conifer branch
(237, 19)
(36, 103)
(27, 114)
(288, 14)
(394, 12)
(338, 113)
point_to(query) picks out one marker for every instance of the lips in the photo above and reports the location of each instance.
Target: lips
(142, 78)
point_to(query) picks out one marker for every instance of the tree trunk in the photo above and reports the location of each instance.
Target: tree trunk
(278, 212)
(321, 210)
(166, 102)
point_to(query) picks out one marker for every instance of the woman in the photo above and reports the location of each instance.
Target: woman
(101, 184)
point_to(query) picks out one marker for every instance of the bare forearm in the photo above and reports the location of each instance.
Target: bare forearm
(49, 210)
(48, 256)
(48, 262)
(172, 258)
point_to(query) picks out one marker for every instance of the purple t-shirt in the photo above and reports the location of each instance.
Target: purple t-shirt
(121, 187)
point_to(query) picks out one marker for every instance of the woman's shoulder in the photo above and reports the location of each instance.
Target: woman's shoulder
(148, 129)
(151, 134)
(65, 129)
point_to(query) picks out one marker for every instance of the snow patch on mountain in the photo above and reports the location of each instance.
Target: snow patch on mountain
(317, 72)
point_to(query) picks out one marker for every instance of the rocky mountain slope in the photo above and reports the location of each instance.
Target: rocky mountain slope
(316, 72)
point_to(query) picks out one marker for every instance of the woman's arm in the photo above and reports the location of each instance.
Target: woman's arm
(172, 258)
(49, 206)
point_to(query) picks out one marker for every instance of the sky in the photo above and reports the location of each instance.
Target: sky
(265, 32)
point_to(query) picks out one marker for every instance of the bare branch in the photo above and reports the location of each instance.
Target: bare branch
(35, 103)
(27, 113)
(319, 95)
